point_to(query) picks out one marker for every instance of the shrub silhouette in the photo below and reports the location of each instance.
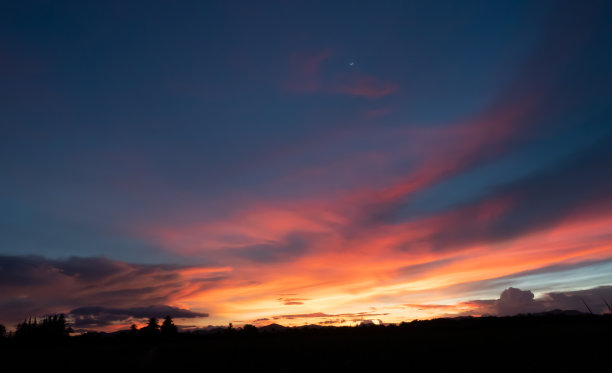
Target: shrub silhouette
(249, 329)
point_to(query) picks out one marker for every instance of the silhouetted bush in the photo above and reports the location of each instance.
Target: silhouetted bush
(249, 329)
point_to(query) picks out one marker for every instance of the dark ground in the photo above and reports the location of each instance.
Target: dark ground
(545, 343)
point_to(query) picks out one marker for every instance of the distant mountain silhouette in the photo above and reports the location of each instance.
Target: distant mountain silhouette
(312, 326)
(559, 312)
(272, 328)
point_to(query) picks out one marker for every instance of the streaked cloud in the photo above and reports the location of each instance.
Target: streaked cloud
(34, 286)
(97, 317)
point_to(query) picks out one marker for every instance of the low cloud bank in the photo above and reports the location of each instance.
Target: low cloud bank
(513, 301)
(32, 286)
(96, 316)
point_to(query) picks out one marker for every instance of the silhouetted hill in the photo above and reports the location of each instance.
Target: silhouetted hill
(558, 341)
(272, 328)
(559, 312)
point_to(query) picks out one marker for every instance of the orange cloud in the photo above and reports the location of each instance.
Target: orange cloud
(344, 274)
(341, 251)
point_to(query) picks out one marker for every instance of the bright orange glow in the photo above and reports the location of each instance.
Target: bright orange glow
(339, 266)
(346, 279)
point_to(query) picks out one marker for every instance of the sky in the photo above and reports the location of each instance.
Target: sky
(303, 162)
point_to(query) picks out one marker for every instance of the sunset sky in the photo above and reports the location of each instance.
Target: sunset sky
(303, 162)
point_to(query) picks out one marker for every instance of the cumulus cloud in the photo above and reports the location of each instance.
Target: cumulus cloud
(513, 301)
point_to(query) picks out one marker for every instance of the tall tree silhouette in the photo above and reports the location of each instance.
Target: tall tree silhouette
(168, 328)
(152, 327)
(26, 329)
(55, 326)
(52, 327)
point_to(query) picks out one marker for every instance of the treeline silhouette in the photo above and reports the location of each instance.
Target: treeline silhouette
(51, 327)
(55, 327)
(559, 342)
(152, 329)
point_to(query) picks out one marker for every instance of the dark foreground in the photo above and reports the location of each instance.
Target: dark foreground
(550, 343)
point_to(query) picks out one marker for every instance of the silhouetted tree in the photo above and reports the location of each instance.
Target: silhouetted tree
(249, 329)
(133, 329)
(55, 326)
(152, 327)
(2, 331)
(230, 329)
(52, 327)
(26, 329)
(168, 328)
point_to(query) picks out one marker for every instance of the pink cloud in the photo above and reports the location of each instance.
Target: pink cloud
(307, 75)
(364, 86)
(376, 113)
